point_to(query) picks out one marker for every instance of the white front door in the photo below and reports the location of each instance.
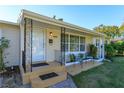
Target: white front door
(38, 51)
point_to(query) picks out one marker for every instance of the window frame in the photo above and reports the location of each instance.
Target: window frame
(84, 43)
(74, 42)
(69, 43)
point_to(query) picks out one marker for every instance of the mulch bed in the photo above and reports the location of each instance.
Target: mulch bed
(11, 78)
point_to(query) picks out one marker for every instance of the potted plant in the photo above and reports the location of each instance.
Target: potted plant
(4, 43)
(81, 56)
(72, 57)
(93, 50)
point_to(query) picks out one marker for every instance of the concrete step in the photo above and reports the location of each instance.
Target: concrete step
(47, 69)
(36, 82)
(39, 83)
(42, 70)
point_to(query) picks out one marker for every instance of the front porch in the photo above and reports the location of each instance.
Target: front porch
(53, 45)
(34, 77)
(62, 71)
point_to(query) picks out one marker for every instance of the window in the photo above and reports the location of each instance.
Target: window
(74, 43)
(82, 43)
(97, 42)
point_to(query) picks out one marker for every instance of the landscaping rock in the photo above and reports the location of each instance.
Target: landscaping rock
(9, 83)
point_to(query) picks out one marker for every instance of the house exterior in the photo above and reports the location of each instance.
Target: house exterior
(36, 38)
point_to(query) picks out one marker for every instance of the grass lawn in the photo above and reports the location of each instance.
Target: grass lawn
(108, 75)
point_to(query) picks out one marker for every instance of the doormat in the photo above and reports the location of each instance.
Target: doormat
(39, 64)
(47, 76)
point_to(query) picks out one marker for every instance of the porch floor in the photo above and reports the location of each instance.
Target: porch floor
(51, 64)
(77, 68)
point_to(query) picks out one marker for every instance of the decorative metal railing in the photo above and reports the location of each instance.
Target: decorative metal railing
(63, 46)
(27, 55)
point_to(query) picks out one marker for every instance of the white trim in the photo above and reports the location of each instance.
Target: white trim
(56, 22)
(45, 43)
(71, 63)
(76, 52)
(7, 22)
(99, 60)
(103, 51)
(79, 43)
(68, 42)
(100, 47)
(76, 34)
(77, 62)
(101, 42)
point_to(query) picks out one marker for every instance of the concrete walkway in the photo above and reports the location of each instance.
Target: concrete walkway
(1, 79)
(68, 83)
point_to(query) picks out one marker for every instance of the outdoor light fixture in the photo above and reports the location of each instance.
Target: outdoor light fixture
(51, 34)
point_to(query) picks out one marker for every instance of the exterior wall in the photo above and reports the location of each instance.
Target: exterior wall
(16, 41)
(11, 33)
(89, 40)
(48, 48)
(53, 48)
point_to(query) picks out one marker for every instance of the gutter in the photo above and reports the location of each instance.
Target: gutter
(49, 20)
(7, 22)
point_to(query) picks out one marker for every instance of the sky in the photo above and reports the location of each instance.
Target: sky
(84, 16)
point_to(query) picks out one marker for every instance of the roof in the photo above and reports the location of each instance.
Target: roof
(56, 22)
(10, 23)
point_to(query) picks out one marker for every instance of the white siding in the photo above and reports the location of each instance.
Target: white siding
(11, 33)
(51, 49)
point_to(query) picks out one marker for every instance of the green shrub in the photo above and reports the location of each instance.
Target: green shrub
(4, 43)
(109, 51)
(119, 47)
(93, 50)
(72, 57)
(81, 56)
